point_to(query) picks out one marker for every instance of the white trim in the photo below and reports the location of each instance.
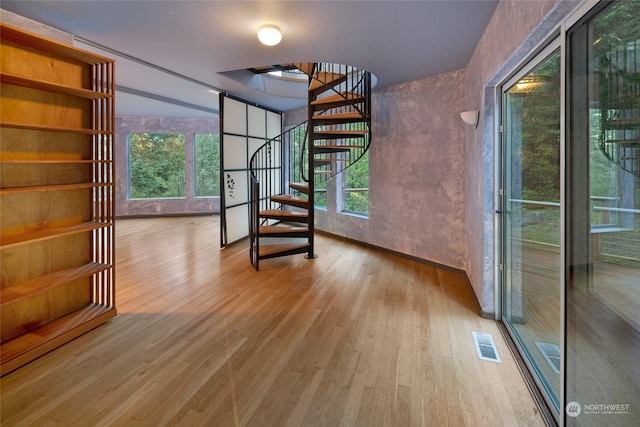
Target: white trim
(563, 224)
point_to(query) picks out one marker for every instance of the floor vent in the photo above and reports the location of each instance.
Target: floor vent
(485, 347)
(551, 353)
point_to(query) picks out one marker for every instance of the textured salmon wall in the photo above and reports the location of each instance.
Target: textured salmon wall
(515, 31)
(416, 172)
(417, 169)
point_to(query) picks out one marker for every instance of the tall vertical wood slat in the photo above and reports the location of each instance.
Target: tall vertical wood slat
(56, 194)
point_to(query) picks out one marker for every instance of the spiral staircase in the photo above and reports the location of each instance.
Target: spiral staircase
(285, 171)
(619, 100)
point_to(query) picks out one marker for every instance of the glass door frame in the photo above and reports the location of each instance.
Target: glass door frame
(548, 48)
(557, 39)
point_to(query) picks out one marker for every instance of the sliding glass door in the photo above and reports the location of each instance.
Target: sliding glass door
(532, 273)
(570, 217)
(603, 174)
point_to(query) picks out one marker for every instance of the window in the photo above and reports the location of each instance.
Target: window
(170, 165)
(356, 187)
(156, 165)
(207, 165)
(320, 195)
(297, 155)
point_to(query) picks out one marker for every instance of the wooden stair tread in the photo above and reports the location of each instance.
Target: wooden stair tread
(335, 148)
(270, 251)
(290, 200)
(339, 116)
(281, 212)
(323, 79)
(284, 215)
(341, 132)
(301, 187)
(266, 230)
(305, 67)
(338, 97)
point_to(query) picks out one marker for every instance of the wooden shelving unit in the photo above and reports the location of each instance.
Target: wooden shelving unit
(56, 194)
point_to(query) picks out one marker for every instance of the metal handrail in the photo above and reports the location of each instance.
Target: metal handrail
(266, 176)
(358, 83)
(535, 203)
(304, 177)
(621, 210)
(595, 208)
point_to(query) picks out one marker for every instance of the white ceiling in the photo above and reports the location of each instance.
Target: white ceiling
(195, 45)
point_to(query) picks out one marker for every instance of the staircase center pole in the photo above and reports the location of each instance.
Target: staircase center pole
(310, 169)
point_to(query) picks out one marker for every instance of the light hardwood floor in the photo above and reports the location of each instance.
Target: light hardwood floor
(356, 337)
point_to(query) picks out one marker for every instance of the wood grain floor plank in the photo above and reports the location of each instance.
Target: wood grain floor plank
(356, 337)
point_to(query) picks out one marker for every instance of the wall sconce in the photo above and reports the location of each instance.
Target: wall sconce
(269, 35)
(470, 117)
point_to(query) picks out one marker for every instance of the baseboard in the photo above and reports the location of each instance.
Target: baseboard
(484, 314)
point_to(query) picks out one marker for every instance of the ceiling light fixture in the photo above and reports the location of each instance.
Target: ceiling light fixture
(269, 35)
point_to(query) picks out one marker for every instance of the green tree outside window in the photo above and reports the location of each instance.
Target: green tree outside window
(207, 165)
(156, 165)
(356, 187)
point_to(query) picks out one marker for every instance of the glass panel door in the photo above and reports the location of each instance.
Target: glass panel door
(532, 275)
(603, 290)
(244, 129)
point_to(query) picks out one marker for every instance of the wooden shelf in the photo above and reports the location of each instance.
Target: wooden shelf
(23, 349)
(52, 87)
(57, 187)
(48, 282)
(60, 290)
(46, 45)
(51, 233)
(55, 128)
(52, 162)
